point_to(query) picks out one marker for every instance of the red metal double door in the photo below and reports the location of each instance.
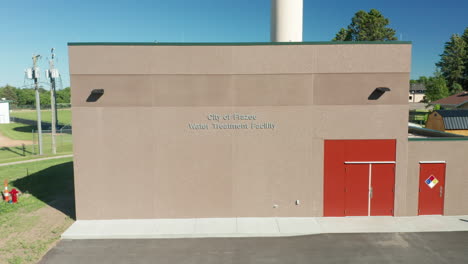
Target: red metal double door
(431, 188)
(369, 189)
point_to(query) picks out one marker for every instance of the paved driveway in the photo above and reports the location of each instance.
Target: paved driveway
(426, 248)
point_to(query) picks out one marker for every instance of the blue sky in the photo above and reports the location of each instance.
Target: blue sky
(29, 27)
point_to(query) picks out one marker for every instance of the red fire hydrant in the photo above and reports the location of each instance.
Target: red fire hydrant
(14, 195)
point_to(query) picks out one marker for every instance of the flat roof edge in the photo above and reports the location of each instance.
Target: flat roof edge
(234, 43)
(439, 139)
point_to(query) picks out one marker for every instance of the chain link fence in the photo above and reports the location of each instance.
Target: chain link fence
(63, 141)
(24, 148)
(43, 107)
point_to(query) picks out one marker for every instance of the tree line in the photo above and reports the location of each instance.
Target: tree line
(27, 96)
(451, 76)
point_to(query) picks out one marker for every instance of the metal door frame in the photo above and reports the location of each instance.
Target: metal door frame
(370, 177)
(445, 179)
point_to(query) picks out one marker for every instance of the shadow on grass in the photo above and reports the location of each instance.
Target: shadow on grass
(53, 186)
(20, 150)
(45, 126)
(25, 128)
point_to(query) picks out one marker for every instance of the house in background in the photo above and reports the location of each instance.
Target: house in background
(456, 101)
(416, 93)
(450, 121)
(4, 111)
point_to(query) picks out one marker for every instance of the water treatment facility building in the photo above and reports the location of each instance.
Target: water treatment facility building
(202, 130)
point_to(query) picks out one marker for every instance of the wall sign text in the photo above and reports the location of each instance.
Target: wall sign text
(233, 121)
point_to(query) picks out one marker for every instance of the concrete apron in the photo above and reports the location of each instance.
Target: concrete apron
(259, 227)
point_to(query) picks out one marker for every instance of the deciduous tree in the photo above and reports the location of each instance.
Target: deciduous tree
(436, 88)
(456, 88)
(25, 96)
(9, 92)
(63, 96)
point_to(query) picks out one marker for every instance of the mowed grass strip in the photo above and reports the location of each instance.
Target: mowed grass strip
(63, 115)
(17, 131)
(44, 211)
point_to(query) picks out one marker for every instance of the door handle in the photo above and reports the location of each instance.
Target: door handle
(440, 193)
(370, 192)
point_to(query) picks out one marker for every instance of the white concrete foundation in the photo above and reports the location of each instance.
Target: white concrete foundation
(259, 227)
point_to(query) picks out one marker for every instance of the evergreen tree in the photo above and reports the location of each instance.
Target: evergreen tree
(343, 35)
(452, 62)
(367, 26)
(465, 75)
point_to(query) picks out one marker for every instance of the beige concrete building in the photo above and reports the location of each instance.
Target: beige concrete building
(251, 129)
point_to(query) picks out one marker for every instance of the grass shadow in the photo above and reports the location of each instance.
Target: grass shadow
(53, 186)
(12, 151)
(20, 151)
(25, 128)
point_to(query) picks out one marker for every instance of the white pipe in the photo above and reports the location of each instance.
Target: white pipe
(370, 162)
(286, 20)
(370, 190)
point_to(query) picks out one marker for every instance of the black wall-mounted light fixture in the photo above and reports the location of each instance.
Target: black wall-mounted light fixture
(95, 95)
(378, 92)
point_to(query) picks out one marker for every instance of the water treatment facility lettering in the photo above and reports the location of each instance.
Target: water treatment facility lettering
(244, 121)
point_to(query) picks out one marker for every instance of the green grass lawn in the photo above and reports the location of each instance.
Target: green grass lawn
(17, 131)
(64, 115)
(30, 227)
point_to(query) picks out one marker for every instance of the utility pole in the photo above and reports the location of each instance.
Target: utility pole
(52, 74)
(35, 76)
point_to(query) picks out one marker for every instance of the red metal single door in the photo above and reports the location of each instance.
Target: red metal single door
(382, 192)
(431, 188)
(356, 189)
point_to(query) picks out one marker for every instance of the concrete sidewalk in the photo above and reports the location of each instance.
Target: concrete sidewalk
(259, 227)
(34, 160)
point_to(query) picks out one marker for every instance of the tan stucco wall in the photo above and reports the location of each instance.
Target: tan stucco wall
(267, 59)
(212, 173)
(135, 156)
(456, 174)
